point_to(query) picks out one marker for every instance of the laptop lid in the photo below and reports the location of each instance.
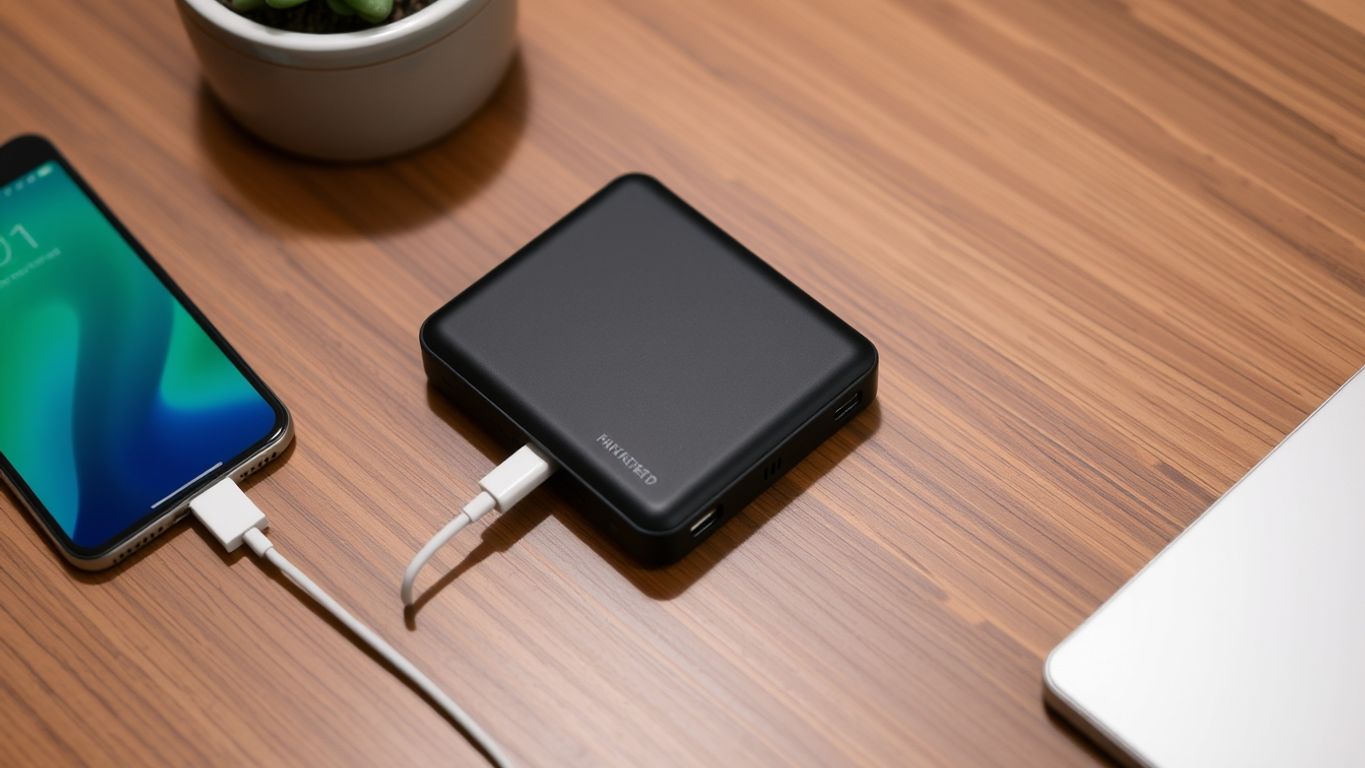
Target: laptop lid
(1243, 642)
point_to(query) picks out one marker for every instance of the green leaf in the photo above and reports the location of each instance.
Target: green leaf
(284, 3)
(247, 5)
(373, 11)
(340, 8)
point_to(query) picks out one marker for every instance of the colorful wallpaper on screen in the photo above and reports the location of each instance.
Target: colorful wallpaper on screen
(111, 396)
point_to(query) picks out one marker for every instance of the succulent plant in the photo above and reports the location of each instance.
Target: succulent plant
(372, 11)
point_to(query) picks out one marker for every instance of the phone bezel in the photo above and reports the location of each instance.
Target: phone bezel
(21, 155)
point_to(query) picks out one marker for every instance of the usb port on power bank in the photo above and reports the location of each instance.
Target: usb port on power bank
(846, 408)
(701, 524)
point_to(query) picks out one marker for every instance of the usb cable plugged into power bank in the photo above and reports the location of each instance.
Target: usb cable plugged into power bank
(234, 520)
(507, 484)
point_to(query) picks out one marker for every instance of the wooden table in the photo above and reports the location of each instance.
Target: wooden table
(1110, 252)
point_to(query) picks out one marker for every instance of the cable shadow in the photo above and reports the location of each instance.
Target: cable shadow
(498, 536)
(388, 195)
(659, 583)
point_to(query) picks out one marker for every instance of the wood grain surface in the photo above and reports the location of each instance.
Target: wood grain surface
(1111, 252)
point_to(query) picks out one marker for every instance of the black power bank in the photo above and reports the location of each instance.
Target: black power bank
(669, 372)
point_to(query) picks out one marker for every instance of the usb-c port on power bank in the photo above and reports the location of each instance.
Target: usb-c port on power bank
(846, 408)
(703, 523)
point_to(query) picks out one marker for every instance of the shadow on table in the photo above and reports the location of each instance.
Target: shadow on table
(659, 583)
(1079, 739)
(388, 195)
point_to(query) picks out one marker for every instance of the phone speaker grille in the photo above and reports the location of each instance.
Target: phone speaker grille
(254, 468)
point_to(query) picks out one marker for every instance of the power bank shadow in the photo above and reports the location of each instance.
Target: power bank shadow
(669, 372)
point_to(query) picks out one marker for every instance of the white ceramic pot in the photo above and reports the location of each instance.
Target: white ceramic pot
(355, 95)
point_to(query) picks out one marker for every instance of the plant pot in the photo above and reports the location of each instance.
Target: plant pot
(355, 95)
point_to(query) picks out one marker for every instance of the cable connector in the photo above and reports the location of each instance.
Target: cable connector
(507, 484)
(228, 514)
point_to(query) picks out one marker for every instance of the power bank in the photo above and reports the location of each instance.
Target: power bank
(669, 372)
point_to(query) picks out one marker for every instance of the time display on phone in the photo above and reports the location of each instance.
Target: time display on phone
(7, 250)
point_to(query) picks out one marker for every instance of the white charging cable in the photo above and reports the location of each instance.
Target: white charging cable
(234, 519)
(507, 484)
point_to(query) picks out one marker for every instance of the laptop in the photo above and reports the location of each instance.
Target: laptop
(1243, 642)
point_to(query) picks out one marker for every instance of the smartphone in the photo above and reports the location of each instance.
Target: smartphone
(119, 402)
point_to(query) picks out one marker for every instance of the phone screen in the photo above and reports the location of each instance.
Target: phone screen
(114, 398)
